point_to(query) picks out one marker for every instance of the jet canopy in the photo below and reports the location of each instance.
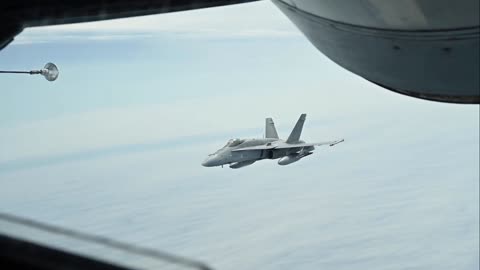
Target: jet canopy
(230, 143)
(234, 142)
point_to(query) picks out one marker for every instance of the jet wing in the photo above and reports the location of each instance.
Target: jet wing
(300, 145)
(286, 146)
(257, 147)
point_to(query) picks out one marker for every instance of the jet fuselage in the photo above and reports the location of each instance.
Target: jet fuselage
(239, 153)
(229, 154)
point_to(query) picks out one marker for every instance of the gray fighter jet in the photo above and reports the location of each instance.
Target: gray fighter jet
(239, 153)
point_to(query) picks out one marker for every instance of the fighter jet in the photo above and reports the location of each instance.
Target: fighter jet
(239, 153)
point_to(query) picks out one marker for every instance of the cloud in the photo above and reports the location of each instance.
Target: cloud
(254, 20)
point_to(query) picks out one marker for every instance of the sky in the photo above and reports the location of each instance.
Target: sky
(114, 147)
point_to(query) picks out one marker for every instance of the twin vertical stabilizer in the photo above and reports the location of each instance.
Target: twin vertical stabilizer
(297, 130)
(271, 132)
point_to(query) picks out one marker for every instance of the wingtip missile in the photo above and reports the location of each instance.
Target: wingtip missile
(342, 140)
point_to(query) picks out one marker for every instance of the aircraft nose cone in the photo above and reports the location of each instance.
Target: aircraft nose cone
(212, 161)
(206, 162)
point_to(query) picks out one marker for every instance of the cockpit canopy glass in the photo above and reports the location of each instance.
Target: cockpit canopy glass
(234, 142)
